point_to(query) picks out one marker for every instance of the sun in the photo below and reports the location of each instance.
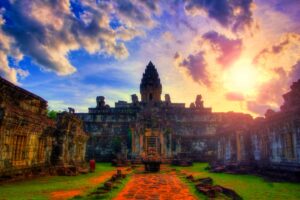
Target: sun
(242, 77)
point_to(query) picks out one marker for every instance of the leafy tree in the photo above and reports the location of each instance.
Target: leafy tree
(52, 114)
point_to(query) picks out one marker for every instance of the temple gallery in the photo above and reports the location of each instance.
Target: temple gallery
(130, 131)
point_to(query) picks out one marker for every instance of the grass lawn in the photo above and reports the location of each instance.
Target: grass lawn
(40, 188)
(249, 186)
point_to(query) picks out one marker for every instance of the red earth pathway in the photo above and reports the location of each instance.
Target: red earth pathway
(155, 187)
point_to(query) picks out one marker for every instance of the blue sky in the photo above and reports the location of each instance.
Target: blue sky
(71, 51)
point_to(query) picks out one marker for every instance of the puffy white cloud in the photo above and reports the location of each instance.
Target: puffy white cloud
(6, 48)
(47, 31)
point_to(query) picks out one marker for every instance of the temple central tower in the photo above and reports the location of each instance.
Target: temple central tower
(150, 87)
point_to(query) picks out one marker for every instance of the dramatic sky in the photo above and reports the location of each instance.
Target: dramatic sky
(240, 55)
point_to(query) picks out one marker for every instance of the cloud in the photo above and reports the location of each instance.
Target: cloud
(176, 56)
(10, 73)
(234, 96)
(136, 11)
(48, 31)
(210, 48)
(287, 41)
(279, 63)
(228, 50)
(196, 67)
(188, 25)
(269, 94)
(168, 36)
(295, 73)
(258, 108)
(290, 7)
(271, 91)
(235, 14)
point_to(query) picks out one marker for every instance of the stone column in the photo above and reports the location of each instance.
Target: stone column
(162, 144)
(238, 147)
(132, 140)
(141, 143)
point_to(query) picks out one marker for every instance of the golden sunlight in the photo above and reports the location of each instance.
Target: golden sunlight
(242, 77)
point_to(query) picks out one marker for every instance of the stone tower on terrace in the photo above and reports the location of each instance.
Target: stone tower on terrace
(150, 87)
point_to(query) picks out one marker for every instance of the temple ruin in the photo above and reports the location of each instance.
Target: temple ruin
(271, 142)
(173, 131)
(136, 128)
(32, 143)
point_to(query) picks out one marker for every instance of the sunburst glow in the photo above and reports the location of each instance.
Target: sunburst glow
(242, 77)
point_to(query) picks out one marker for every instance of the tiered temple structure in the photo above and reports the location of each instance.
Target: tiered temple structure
(134, 129)
(30, 141)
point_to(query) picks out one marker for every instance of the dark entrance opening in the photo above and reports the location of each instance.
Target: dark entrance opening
(150, 97)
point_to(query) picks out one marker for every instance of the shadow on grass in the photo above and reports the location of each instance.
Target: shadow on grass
(41, 188)
(248, 186)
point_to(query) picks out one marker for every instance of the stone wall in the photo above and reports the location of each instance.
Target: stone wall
(30, 142)
(127, 128)
(270, 142)
(25, 131)
(276, 140)
(69, 140)
(233, 140)
(109, 131)
(134, 129)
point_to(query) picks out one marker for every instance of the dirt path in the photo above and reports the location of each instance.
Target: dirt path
(155, 187)
(92, 183)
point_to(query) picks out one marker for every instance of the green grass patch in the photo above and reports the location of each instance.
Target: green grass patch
(40, 188)
(248, 186)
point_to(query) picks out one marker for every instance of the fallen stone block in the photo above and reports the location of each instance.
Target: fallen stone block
(205, 181)
(190, 177)
(207, 190)
(229, 192)
(108, 185)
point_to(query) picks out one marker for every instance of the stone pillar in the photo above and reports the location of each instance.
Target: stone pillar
(132, 140)
(137, 143)
(238, 147)
(141, 143)
(162, 144)
(171, 145)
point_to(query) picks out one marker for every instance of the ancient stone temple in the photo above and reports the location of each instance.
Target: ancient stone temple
(30, 142)
(25, 130)
(271, 143)
(150, 125)
(232, 138)
(276, 138)
(135, 129)
(70, 140)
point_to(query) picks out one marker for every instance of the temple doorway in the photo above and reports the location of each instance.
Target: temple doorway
(152, 142)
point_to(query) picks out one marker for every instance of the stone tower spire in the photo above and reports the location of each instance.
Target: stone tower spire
(150, 87)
